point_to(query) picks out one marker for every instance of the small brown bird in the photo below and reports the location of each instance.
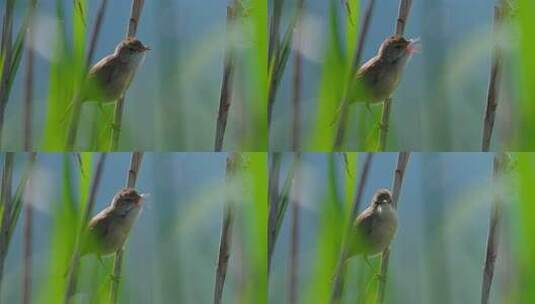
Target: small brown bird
(109, 229)
(375, 227)
(377, 79)
(109, 78)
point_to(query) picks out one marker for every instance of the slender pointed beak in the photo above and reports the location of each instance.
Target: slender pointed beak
(414, 46)
(146, 48)
(144, 195)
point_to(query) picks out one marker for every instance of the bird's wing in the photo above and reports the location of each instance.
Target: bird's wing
(102, 70)
(97, 230)
(362, 81)
(362, 228)
(98, 223)
(99, 74)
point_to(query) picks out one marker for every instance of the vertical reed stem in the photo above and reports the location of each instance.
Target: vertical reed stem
(399, 173)
(226, 85)
(494, 227)
(226, 230)
(297, 80)
(28, 227)
(294, 236)
(28, 81)
(133, 171)
(135, 13)
(403, 13)
(494, 83)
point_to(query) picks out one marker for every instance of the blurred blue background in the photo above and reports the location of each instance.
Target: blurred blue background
(173, 101)
(172, 249)
(174, 97)
(438, 253)
(440, 102)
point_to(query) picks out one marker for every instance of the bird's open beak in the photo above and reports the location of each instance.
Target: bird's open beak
(414, 46)
(144, 196)
(146, 48)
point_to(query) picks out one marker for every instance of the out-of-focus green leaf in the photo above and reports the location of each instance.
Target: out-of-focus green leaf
(256, 215)
(526, 173)
(526, 25)
(336, 67)
(329, 240)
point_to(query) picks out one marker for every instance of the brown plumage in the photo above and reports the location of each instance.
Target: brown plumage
(109, 78)
(375, 227)
(377, 79)
(108, 230)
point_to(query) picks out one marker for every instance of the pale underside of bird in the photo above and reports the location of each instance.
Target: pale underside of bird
(373, 230)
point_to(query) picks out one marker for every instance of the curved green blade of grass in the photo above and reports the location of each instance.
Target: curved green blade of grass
(337, 63)
(66, 69)
(255, 86)
(331, 217)
(526, 173)
(64, 214)
(256, 215)
(526, 25)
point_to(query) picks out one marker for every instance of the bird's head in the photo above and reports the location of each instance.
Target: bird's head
(131, 47)
(398, 49)
(126, 200)
(382, 197)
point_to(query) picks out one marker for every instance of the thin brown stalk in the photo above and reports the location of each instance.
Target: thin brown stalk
(273, 200)
(75, 260)
(273, 51)
(6, 49)
(226, 231)
(294, 236)
(399, 174)
(357, 57)
(27, 245)
(226, 85)
(28, 82)
(403, 13)
(133, 171)
(383, 127)
(135, 14)
(278, 204)
(494, 83)
(297, 80)
(494, 227)
(77, 103)
(338, 278)
(277, 61)
(6, 203)
(274, 27)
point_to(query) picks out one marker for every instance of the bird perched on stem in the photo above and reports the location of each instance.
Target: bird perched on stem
(375, 227)
(377, 79)
(108, 230)
(109, 78)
